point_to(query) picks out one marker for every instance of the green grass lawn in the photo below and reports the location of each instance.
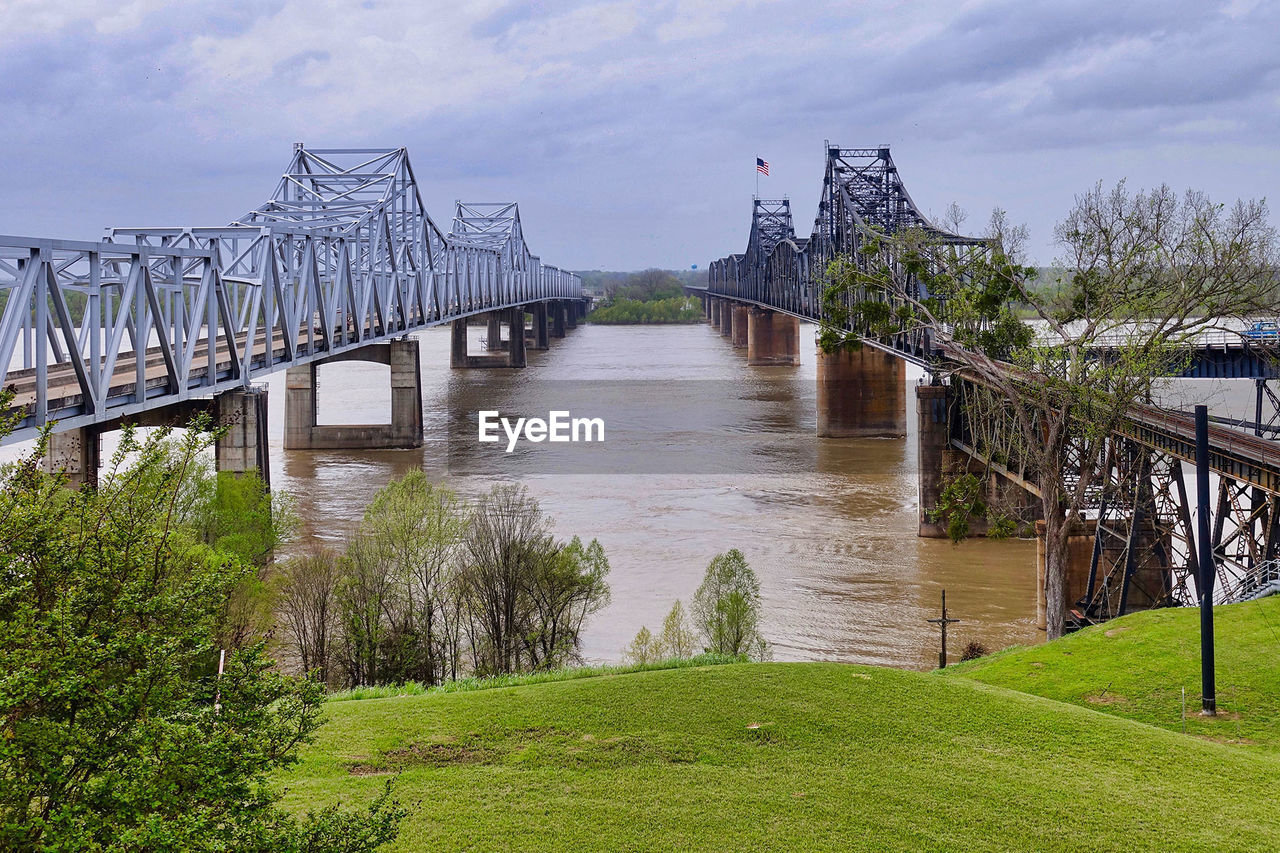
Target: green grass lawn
(784, 757)
(1137, 667)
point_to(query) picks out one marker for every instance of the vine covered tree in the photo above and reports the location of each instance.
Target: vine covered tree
(1142, 275)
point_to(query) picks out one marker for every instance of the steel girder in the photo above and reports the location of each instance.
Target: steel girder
(1144, 551)
(342, 255)
(862, 197)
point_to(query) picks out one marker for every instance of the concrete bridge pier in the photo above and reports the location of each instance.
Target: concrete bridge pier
(571, 313)
(301, 432)
(932, 442)
(558, 320)
(77, 453)
(772, 338)
(541, 330)
(726, 319)
(714, 311)
(244, 446)
(493, 336)
(516, 353)
(738, 335)
(861, 393)
(1079, 556)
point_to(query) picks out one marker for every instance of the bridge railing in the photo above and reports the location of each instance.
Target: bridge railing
(212, 310)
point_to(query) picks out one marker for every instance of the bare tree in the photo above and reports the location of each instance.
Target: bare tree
(507, 537)
(1144, 275)
(528, 595)
(306, 589)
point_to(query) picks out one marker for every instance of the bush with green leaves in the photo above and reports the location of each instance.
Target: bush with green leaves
(726, 608)
(116, 731)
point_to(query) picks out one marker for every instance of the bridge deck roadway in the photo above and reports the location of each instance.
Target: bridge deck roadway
(65, 400)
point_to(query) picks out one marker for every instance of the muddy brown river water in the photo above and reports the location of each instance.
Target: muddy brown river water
(702, 454)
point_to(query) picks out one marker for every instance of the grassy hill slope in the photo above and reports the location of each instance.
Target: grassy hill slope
(1136, 667)
(784, 757)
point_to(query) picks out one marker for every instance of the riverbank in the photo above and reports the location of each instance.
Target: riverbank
(632, 312)
(1137, 667)
(783, 757)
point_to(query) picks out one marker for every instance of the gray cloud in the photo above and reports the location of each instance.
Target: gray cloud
(628, 131)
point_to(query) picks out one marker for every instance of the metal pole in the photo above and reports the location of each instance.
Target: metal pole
(1257, 416)
(942, 657)
(1209, 701)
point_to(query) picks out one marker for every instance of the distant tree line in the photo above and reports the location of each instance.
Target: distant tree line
(651, 296)
(607, 282)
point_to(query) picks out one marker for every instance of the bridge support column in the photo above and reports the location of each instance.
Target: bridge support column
(1079, 555)
(861, 393)
(493, 337)
(301, 432)
(77, 453)
(726, 319)
(541, 333)
(244, 446)
(772, 338)
(515, 344)
(934, 430)
(571, 313)
(739, 336)
(558, 321)
(714, 311)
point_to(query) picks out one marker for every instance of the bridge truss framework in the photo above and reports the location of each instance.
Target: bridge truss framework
(342, 255)
(1141, 525)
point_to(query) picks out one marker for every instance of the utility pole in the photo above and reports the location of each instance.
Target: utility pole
(943, 622)
(1208, 572)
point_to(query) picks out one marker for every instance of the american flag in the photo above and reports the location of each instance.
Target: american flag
(762, 166)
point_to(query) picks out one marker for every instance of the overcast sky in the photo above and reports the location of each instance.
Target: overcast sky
(628, 131)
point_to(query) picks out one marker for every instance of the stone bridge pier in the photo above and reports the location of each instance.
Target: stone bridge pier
(861, 393)
(773, 338)
(301, 432)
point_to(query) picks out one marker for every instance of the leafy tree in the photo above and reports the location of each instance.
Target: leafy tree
(562, 592)
(726, 607)
(677, 639)
(644, 649)
(116, 732)
(1143, 276)
(412, 535)
(676, 309)
(242, 516)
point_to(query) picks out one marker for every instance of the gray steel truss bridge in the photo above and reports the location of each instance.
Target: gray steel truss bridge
(341, 262)
(1138, 550)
